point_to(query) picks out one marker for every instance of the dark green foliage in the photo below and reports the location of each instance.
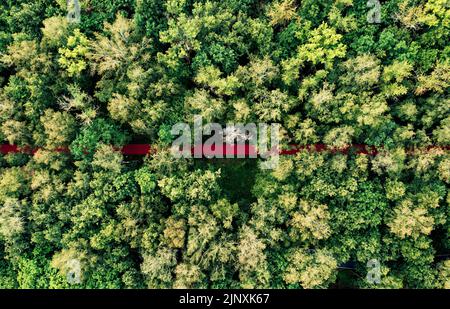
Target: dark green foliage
(131, 69)
(99, 131)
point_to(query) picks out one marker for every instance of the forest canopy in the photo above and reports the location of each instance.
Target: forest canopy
(128, 70)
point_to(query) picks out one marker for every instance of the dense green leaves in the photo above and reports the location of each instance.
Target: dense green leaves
(132, 68)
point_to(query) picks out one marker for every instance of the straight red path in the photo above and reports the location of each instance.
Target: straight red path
(229, 150)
